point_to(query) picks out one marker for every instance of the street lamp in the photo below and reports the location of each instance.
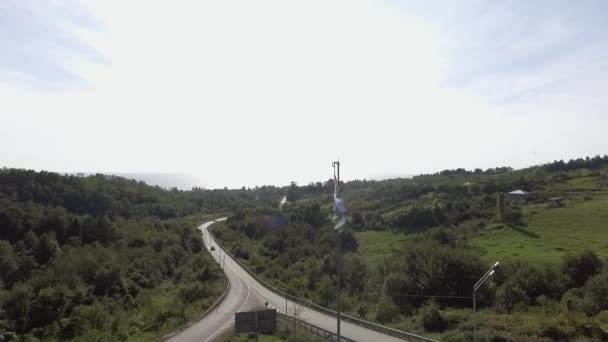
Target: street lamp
(475, 288)
(286, 289)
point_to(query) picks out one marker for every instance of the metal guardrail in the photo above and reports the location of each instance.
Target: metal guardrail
(212, 307)
(366, 324)
(313, 329)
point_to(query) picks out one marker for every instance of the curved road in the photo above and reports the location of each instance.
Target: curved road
(246, 293)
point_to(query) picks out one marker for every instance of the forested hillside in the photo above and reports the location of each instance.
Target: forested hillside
(103, 258)
(416, 247)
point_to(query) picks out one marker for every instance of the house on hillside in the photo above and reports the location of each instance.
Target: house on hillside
(555, 201)
(518, 195)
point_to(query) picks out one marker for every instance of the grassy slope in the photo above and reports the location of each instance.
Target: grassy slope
(550, 232)
(545, 235)
(377, 245)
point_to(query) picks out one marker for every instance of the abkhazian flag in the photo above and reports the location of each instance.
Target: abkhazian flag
(339, 208)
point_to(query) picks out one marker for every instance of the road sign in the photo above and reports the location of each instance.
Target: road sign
(246, 321)
(267, 320)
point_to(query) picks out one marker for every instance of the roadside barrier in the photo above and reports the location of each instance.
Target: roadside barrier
(313, 329)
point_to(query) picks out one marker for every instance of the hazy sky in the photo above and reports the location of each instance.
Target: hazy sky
(264, 92)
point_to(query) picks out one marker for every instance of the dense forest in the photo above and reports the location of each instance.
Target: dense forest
(416, 247)
(104, 258)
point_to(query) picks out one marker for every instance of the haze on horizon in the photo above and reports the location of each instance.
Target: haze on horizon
(243, 93)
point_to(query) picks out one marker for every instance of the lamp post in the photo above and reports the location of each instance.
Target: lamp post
(338, 195)
(475, 288)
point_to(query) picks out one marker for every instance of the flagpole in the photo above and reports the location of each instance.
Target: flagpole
(338, 254)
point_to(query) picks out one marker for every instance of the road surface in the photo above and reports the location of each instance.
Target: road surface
(246, 293)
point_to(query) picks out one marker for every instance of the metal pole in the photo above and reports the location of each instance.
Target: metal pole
(256, 326)
(477, 285)
(286, 302)
(339, 260)
(339, 289)
(474, 318)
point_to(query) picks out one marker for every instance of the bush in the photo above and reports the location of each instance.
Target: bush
(431, 317)
(526, 284)
(590, 328)
(554, 330)
(603, 317)
(580, 267)
(386, 311)
(596, 294)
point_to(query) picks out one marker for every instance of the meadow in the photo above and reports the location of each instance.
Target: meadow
(548, 233)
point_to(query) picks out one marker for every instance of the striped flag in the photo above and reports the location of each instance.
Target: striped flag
(339, 208)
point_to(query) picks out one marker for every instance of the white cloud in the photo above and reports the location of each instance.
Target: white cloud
(245, 93)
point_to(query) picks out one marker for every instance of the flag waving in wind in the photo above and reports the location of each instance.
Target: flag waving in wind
(340, 208)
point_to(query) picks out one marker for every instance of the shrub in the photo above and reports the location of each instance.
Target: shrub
(431, 317)
(580, 267)
(526, 284)
(572, 301)
(603, 317)
(596, 294)
(387, 311)
(554, 330)
(590, 328)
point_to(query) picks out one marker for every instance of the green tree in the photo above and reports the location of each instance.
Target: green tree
(8, 263)
(500, 207)
(326, 291)
(293, 193)
(46, 248)
(580, 267)
(596, 294)
(16, 304)
(354, 272)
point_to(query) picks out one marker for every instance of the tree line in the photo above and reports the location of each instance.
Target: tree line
(105, 258)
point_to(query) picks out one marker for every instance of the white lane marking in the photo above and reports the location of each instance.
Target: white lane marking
(230, 320)
(220, 329)
(248, 292)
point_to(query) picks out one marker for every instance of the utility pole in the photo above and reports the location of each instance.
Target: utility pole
(475, 288)
(338, 251)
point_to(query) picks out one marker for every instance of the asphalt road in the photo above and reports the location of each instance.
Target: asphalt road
(247, 294)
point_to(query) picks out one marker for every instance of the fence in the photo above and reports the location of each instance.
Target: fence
(313, 329)
(366, 324)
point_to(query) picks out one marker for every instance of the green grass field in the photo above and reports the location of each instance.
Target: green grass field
(549, 233)
(377, 245)
(546, 235)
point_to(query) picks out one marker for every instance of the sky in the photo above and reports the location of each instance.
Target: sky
(245, 93)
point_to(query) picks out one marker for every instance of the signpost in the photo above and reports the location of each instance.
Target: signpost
(255, 321)
(267, 320)
(244, 322)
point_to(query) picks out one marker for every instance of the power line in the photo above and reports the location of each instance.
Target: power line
(425, 296)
